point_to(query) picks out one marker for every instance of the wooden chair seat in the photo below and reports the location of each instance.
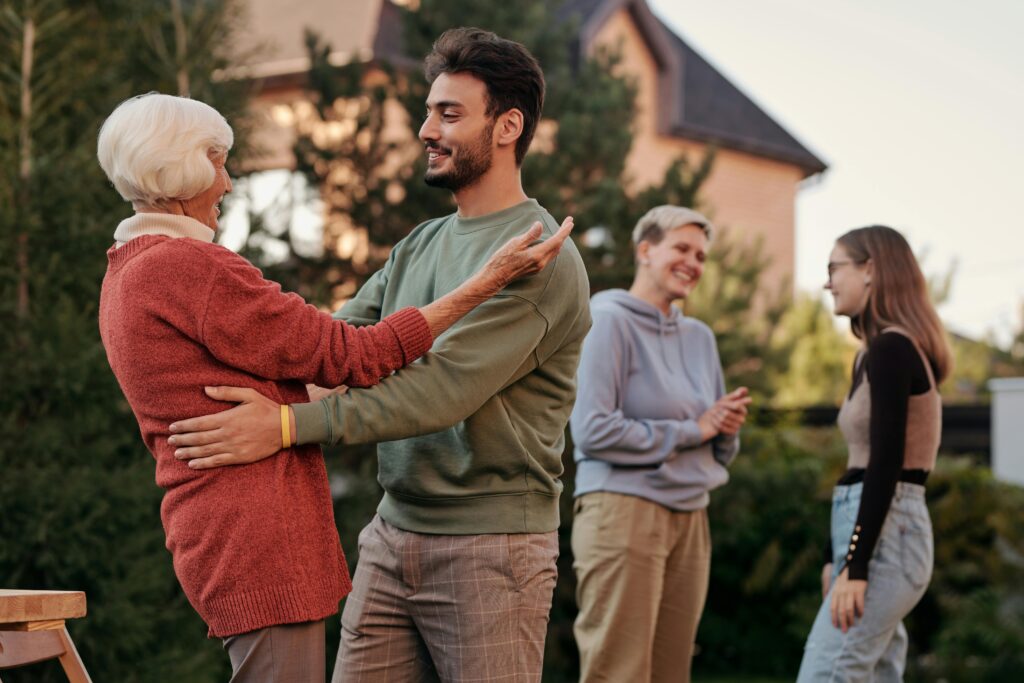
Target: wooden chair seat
(32, 629)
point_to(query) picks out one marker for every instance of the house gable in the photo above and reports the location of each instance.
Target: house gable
(666, 59)
(693, 99)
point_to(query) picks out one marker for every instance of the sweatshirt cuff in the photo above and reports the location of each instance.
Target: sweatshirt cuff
(412, 331)
(725, 447)
(689, 435)
(311, 422)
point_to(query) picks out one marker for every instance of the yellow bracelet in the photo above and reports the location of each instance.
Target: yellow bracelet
(286, 432)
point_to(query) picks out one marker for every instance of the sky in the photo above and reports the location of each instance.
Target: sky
(917, 106)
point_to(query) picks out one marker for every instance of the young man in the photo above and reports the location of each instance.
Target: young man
(456, 571)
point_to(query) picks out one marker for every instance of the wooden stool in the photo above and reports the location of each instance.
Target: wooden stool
(32, 630)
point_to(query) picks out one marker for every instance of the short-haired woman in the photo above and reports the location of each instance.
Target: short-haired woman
(654, 431)
(881, 549)
(255, 548)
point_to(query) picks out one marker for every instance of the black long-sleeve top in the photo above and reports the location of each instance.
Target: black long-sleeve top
(895, 372)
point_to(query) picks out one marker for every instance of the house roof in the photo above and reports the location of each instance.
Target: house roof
(274, 32)
(388, 43)
(716, 110)
(700, 103)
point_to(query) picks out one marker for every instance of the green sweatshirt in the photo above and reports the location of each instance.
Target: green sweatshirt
(471, 434)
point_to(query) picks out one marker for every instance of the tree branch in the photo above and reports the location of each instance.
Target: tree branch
(25, 155)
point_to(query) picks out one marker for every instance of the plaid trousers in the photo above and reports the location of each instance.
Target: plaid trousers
(429, 607)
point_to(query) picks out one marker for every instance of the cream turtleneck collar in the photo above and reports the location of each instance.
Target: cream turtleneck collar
(171, 225)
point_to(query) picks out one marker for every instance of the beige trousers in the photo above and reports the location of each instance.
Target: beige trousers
(289, 653)
(642, 578)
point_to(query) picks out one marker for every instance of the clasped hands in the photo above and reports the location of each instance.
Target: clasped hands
(726, 415)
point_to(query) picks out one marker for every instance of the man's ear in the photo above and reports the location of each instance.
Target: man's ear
(509, 127)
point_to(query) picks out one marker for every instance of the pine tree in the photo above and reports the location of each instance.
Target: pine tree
(78, 506)
(814, 358)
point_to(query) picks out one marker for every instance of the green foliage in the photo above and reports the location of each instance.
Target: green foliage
(1017, 345)
(813, 359)
(78, 506)
(768, 528)
(731, 282)
(976, 361)
(972, 619)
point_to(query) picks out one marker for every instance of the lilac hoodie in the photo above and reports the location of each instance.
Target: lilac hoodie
(644, 379)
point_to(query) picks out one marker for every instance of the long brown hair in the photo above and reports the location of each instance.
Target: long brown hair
(898, 296)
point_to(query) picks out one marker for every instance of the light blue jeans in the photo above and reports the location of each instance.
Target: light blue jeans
(875, 649)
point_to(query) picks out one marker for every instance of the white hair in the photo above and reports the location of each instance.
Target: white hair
(653, 225)
(155, 147)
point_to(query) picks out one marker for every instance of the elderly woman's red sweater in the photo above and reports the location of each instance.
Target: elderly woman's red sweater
(256, 545)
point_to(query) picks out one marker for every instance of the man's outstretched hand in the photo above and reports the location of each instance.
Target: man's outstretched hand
(249, 432)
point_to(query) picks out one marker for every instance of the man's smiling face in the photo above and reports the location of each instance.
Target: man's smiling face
(458, 133)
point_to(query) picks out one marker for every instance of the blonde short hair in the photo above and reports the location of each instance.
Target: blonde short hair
(155, 147)
(653, 225)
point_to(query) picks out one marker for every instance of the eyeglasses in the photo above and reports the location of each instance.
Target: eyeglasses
(833, 266)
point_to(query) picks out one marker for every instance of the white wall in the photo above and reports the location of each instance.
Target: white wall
(1008, 429)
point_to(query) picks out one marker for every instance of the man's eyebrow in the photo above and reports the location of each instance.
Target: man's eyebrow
(444, 104)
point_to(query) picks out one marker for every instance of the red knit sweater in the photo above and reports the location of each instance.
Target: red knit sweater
(253, 546)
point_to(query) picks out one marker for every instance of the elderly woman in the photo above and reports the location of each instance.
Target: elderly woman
(255, 548)
(654, 431)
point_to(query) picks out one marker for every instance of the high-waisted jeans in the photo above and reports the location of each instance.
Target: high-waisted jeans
(875, 648)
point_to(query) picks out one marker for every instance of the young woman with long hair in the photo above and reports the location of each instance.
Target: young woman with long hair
(880, 554)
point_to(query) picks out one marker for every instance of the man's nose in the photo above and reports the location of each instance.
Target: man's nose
(429, 131)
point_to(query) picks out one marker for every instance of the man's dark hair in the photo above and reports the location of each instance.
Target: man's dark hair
(512, 75)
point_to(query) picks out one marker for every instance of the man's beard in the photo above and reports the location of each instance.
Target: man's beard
(466, 167)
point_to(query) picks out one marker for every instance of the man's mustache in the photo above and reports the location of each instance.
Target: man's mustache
(437, 148)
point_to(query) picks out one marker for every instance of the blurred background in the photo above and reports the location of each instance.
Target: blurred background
(787, 122)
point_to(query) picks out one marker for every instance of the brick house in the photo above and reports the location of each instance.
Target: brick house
(684, 105)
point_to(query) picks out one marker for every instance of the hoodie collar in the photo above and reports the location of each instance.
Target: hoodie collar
(623, 298)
